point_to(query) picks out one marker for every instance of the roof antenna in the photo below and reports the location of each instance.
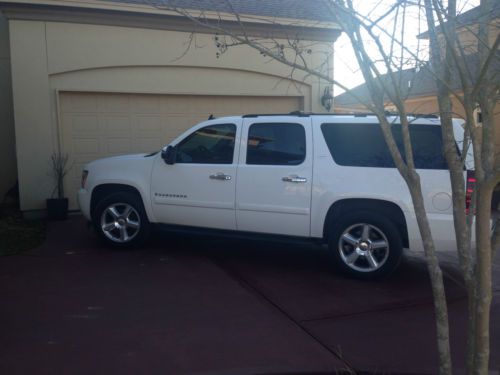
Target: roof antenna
(211, 117)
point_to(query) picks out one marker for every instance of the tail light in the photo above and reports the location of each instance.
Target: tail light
(471, 183)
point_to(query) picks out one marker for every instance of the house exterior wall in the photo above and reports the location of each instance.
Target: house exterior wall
(48, 57)
(429, 105)
(8, 166)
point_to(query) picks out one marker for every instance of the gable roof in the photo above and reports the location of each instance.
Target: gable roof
(312, 10)
(471, 17)
(419, 87)
(413, 83)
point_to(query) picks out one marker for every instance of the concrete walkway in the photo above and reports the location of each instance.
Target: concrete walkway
(201, 305)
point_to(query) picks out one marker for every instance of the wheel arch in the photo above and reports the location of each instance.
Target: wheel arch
(390, 209)
(103, 190)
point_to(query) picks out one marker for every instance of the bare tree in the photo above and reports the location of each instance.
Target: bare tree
(474, 83)
(478, 88)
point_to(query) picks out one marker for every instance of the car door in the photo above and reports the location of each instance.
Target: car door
(199, 188)
(273, 189)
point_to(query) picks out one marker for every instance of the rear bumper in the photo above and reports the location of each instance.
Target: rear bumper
(443, 232)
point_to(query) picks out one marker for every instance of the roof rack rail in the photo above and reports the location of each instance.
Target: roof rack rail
(294, 113)
(362, 114)
(300, 114)
(355, 114)
(304, 114)
(423, 115)
(416, 115)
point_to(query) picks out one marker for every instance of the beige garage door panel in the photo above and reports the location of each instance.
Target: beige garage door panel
(97, 125)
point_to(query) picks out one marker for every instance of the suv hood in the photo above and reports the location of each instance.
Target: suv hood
(119, 158)
(122, 163)
(133, 170)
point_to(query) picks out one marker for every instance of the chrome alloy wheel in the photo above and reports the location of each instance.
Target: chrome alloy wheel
(120, 222)
(363, 247)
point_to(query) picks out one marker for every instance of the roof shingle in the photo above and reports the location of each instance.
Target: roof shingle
(471, 17)
(419, 83)
(311, 10)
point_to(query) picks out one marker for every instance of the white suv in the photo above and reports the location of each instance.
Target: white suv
(323, 177)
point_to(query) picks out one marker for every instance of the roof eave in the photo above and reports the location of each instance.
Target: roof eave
(149, 9)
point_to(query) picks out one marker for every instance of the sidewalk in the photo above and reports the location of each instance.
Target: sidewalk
(214, 306)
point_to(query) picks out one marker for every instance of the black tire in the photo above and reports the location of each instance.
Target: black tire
(355, 256)
(121, 202)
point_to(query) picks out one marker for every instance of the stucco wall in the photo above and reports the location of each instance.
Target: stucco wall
(51, 56)
(8, 168)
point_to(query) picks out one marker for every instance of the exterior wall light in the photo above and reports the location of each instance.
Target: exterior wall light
(327, 99)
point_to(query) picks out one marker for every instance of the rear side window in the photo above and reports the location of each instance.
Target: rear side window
(276, 144)
(363, 145)
(427, 145)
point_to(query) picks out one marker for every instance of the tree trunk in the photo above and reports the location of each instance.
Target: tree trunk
(436, 276)
(483, 279)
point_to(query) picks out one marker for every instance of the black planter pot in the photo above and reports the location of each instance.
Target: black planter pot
(57, 208)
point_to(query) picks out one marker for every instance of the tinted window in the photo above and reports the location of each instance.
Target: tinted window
(427, 146)
(363, 145)
(276, 144)
(209, 145)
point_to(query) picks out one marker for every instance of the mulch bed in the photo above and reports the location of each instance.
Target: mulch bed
(18, 234)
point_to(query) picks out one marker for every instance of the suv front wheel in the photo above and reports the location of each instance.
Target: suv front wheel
(365, 245)
(120, 219)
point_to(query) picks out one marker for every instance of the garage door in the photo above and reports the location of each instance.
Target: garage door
(97, 125)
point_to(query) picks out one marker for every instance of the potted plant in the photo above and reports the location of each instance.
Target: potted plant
(57, 207)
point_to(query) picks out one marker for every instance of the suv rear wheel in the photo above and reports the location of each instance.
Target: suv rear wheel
(365, 245)
(120, 219)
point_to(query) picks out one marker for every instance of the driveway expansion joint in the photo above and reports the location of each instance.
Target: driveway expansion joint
(405, 306)
(245, 284)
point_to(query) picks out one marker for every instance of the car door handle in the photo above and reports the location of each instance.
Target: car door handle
(220, 176)
(294, 178)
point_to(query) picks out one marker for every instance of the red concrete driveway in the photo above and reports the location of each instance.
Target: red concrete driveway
(202, 305)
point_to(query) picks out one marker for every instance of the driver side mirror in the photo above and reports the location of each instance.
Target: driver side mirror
(169, 155)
